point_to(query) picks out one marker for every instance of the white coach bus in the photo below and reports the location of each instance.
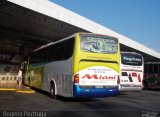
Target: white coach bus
(131, 71)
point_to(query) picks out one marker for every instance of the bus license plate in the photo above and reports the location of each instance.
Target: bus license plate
(99, 86)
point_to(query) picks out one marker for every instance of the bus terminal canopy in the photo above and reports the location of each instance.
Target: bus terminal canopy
(32, 23)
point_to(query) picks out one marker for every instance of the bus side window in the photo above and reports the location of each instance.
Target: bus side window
(68, 51)
(55, 53)
(59, 51)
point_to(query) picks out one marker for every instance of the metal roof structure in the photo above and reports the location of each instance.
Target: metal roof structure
(37, 22)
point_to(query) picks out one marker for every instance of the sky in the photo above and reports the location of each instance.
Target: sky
(138, 20)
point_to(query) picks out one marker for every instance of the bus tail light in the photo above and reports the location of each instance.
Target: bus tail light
(139, 78)
(76, 78)
(118, 80)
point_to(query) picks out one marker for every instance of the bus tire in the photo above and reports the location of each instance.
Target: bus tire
(52, 91)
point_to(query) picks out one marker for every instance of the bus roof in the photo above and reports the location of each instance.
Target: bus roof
(51, 43)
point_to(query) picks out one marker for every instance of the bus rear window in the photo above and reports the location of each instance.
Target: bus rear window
(131, 59)
(99, 44)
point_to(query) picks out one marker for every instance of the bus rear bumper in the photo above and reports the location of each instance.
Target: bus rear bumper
(80, 92)
(130, 88)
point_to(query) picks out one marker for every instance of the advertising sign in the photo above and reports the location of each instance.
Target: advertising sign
(98, 75)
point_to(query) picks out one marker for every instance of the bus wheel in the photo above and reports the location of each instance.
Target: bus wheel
(52, 91)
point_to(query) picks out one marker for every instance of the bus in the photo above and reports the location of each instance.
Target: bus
(152, 75)
(83, 65)
(131, 72)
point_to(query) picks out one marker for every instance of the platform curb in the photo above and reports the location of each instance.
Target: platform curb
(17, 90)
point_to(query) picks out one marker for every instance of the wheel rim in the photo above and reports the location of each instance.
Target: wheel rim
(52, 92)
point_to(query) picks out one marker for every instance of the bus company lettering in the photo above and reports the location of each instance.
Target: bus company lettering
(96, 76)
